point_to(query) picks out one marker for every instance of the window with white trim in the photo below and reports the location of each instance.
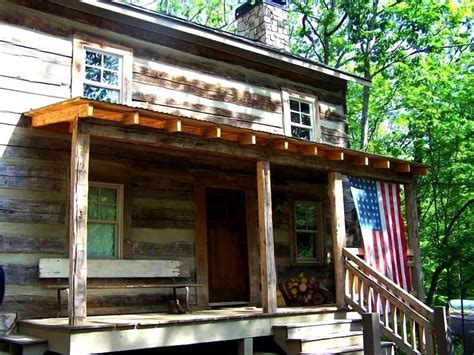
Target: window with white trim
(301, 116)
(308, 228)
(104, 220)
(101, 71)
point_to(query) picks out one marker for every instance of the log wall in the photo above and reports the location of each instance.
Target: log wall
(36, 57)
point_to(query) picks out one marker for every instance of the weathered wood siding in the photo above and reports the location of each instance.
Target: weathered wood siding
(284, 197)
(35, 70)
(168, 76)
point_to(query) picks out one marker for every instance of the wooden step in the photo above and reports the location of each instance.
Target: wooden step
(387, 349)
(329, 341)
(23, 344)
(306, 330)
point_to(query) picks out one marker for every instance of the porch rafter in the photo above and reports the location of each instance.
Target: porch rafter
(302, 153)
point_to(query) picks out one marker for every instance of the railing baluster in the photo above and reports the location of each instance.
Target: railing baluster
(406, 320)
(422, 339)
(404, 326)
(413, 333)
(395, 321)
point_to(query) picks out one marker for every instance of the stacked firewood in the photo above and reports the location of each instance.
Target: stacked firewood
(304, 291)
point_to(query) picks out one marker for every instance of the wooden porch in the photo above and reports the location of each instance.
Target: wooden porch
(152, 330)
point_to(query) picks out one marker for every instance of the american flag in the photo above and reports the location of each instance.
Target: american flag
(379, 211)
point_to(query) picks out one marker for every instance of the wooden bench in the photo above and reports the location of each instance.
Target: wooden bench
(58, 270)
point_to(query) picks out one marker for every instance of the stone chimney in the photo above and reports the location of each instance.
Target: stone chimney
(265, 21)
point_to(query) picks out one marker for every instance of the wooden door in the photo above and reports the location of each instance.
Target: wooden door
(227, 245)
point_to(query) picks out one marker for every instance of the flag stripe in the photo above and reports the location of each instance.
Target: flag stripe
(379, 210)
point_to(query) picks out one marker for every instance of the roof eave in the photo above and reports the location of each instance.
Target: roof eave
(208, 37)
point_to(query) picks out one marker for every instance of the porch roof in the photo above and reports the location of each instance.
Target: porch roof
(62, 114)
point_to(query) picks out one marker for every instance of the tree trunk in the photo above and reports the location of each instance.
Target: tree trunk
(364, 120)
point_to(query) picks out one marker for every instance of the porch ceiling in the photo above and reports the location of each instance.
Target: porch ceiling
(62, 114)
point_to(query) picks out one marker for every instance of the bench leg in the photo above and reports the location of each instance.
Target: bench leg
(186, 299)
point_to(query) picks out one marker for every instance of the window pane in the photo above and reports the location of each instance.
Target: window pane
(110, 77)
(92, 74)
(108, 213)
(294, 105)
(93, 211)
(306, 120)
(93, 195)
(100, 240)
(93, 58)
(295, 117)
(305, 245)
(101, 94)
(305, 107)
(299, 132)
(311, 217)
(108, 196)
(111, 62)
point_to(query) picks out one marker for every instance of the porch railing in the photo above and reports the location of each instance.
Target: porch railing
(404, 319)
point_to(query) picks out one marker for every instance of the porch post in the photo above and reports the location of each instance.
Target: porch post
(79, 186)
(338, 229)
(413, 238)
(265, 231)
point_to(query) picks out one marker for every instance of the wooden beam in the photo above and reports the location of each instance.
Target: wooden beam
(381, 164)
(212, 132)
(442, 332)
(401, 168)
(141, 135)
(338, 229)
(280, 144)
(334, 155)
(309, 150)
(265, 230)
(360, 160)
(419, 170)
(130, 118)
(200, 216)
(371, 336)
(413, 239)
(248, 139)
(62, 115)
(173, 126)
(79, 188)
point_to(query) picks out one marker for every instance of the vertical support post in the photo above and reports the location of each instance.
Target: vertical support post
(371, 327)
(338, 229)
(265, 231)
(245, 346)
(200, 217)
(443, 338)
(413, 238)
(79, 189)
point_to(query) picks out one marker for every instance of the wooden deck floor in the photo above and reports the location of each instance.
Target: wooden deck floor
(152, 330)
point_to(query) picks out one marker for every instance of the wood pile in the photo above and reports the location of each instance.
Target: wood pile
(304, 291)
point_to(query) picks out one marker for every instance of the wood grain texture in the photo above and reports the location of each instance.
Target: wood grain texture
(79, 185)
(338, 230)
(265, 223)
(58, 268)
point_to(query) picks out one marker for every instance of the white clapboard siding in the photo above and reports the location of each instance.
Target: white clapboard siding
(54, 268)
(326, 107)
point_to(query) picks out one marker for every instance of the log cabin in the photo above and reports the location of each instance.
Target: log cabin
(142, 155)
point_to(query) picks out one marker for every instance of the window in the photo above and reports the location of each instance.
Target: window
(104, 220)
(301, 116)
(101, 72)
(308, 228)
